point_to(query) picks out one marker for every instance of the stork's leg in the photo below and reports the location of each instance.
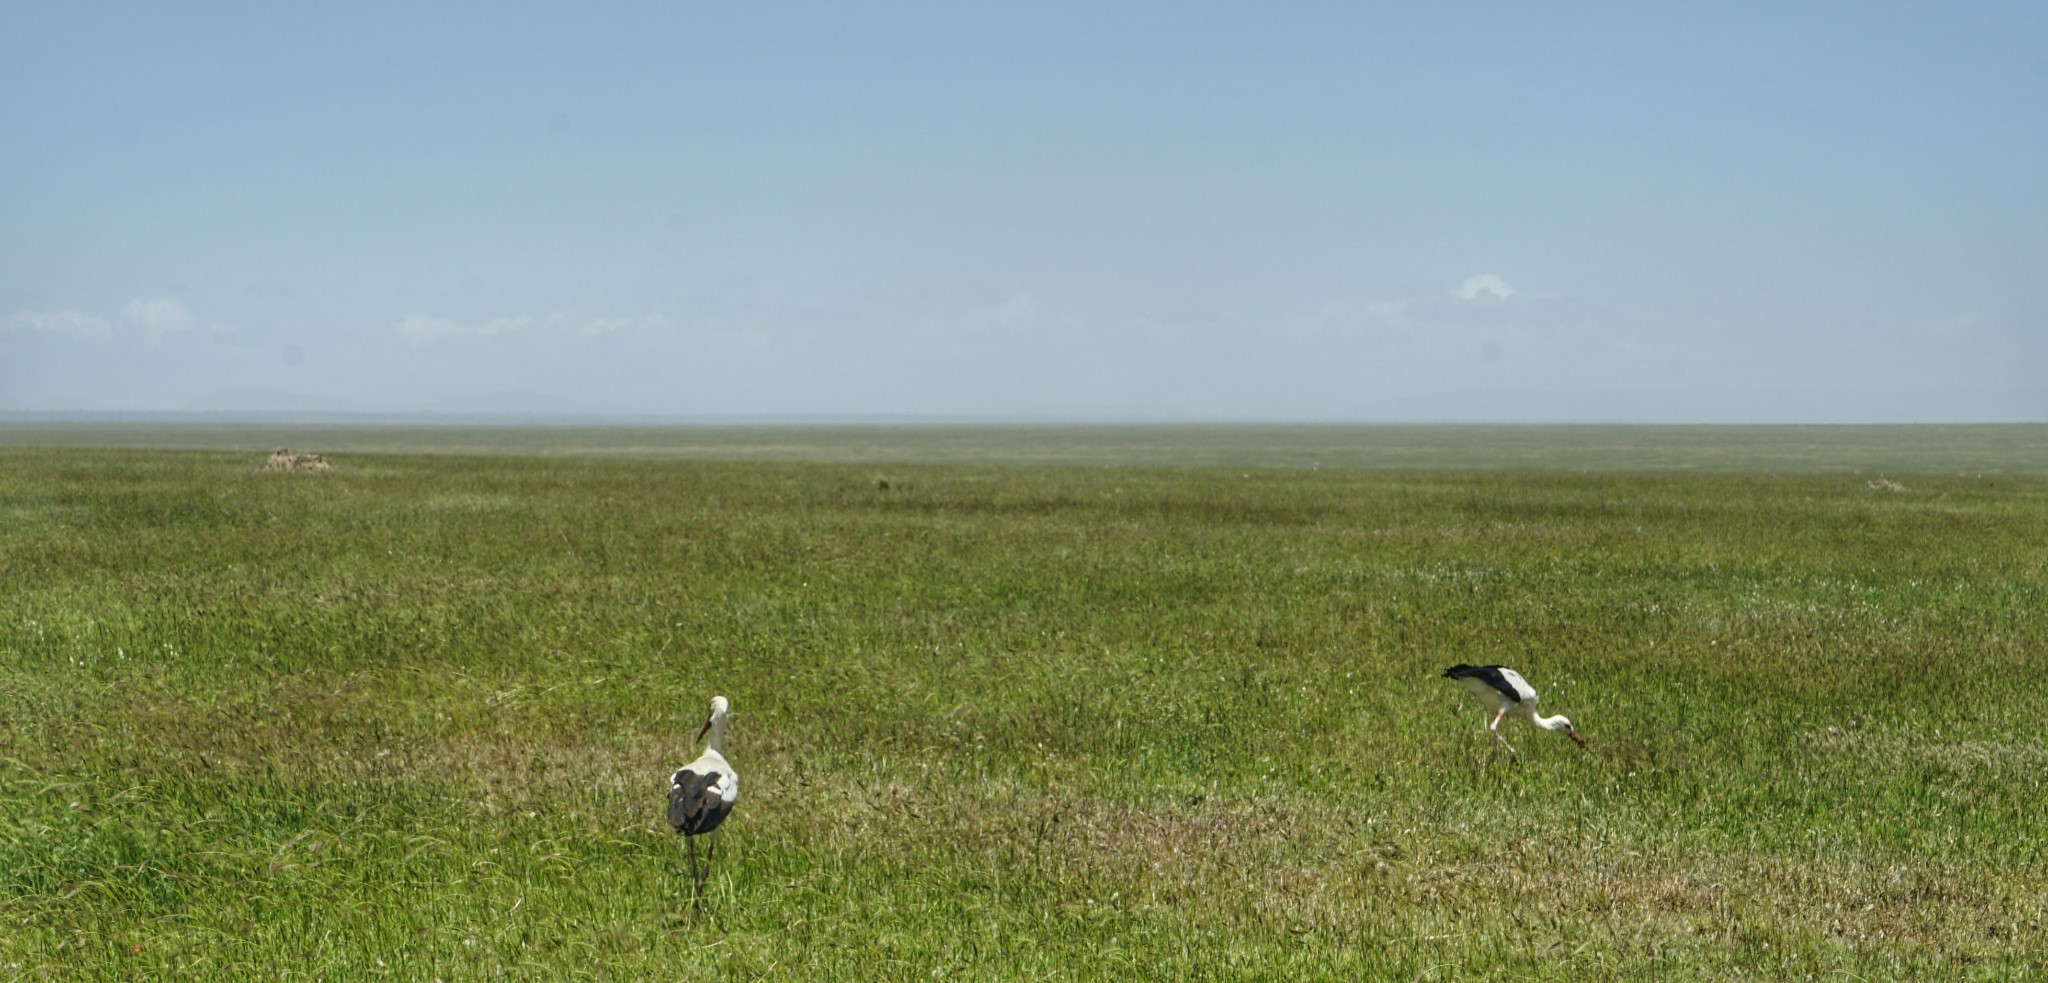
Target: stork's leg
(696, 878)
(1494, 729)
(710, 854)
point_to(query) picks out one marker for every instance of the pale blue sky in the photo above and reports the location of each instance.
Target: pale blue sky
(1711, 212)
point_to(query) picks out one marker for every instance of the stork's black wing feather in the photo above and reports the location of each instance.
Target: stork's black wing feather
(1490, 675)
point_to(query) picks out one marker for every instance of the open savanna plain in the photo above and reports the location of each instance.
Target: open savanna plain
(1007, 708)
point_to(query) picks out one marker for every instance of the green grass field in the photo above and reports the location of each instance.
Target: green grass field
(1029, 711)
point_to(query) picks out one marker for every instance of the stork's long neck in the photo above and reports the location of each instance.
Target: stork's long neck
(716, 739)
(1557, 723)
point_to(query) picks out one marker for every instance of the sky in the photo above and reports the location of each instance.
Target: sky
(1768, 212)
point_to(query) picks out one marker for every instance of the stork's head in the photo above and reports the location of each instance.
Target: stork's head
(1573, 733)
(717, 717)
(1563, 725)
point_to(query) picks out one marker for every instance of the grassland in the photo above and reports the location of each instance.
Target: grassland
(412, 718)
(2014, 449)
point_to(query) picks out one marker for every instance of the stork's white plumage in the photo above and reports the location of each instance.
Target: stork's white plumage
(701, 793)
(1504, 691)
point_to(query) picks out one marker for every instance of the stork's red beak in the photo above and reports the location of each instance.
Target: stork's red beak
(1574, 735)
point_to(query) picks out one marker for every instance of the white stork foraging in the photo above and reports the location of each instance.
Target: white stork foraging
(1503, 689)
(701, 794)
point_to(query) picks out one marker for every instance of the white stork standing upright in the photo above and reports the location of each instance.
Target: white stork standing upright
(1502, 689)
(701, 794)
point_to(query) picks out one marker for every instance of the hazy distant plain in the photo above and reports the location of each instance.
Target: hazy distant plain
(1989, 449)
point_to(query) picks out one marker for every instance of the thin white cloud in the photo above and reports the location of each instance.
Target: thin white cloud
(1956, 326)
(1484, 283)
(1348, 316)
(1013, 313)
(162, 316)
(426, 329)
(1387, 311)
(423, 329)
(593, 327)
(1019, 314)
(56, 322)
(159, 316)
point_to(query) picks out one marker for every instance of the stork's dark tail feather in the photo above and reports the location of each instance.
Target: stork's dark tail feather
(694, 806)
(1462, 670)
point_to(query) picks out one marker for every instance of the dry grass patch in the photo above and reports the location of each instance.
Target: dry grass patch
(285, 459)
(2022, 759)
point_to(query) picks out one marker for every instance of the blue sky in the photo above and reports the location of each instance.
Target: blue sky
(1626, 212)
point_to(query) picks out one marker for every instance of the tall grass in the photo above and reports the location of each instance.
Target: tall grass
(413, 718)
